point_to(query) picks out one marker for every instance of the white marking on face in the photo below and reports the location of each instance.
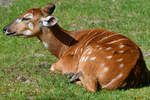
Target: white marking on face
(92, 58)
(52, 68)
(106, 69)
(30, 25)
(45, 23)
(6, 32)
(18, 20)
(27, 32)
(45, 44)
(121, 45)
(120, 59)
(116, 41)
(29, 15)
(121, 65)
(121, 51)
(109, 48)
(108, 57)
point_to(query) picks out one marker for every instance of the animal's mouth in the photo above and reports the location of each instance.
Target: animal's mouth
(10, 33)
(14, 34)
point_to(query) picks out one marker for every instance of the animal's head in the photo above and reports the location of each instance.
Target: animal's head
(30, 23)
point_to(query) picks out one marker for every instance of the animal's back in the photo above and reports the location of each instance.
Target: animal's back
(110, 57)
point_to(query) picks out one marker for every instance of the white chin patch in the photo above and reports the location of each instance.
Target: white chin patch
(27, 32)
(45, 44)
(18, 20)
(30, 25)
(52, 68)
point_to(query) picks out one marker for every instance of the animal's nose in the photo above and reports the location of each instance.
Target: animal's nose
(5, 29)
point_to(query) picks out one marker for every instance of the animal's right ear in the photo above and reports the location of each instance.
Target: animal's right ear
(48, 9)
(48, 21)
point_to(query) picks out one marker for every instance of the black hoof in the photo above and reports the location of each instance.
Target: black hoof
(75, 77)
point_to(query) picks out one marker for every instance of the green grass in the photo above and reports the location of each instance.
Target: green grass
(20, 76)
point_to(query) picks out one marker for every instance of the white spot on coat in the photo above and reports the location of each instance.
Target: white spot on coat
(120, 59)
(106, 69)
(108, 57)
(116, 41)
(102, 65)
(92, 58)
(119, 76)
(27, 32)
(109, 48)
(89, 52)
(76, 50)
(83, 59)
(99, 48)
(30, 25)
(121, 65)
(113, 80)
(121, 45)
(106, 37)
(45, 44)
(121, 51)
(86, 58)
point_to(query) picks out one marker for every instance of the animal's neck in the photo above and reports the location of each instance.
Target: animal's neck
(56, 39)
(63, 35)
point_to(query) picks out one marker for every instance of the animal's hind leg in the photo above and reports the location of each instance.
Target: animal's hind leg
(90, 83)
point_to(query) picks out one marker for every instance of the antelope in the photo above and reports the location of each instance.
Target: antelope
(94, 57)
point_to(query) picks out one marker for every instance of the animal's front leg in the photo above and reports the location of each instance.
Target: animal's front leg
(64, 65)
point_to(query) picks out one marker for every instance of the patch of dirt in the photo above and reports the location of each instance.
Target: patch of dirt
(6, 3)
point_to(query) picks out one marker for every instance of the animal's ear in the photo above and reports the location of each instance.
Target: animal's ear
(49, 8)
(49, 21)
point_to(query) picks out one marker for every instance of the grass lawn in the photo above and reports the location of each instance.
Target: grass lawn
(22, 78)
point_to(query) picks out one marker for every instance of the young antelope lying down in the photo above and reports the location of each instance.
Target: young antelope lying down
(93, 56)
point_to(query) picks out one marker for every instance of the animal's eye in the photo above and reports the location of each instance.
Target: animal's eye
(25, 19)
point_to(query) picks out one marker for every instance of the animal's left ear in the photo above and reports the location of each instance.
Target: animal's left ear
(49, 21)
(48, 9)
